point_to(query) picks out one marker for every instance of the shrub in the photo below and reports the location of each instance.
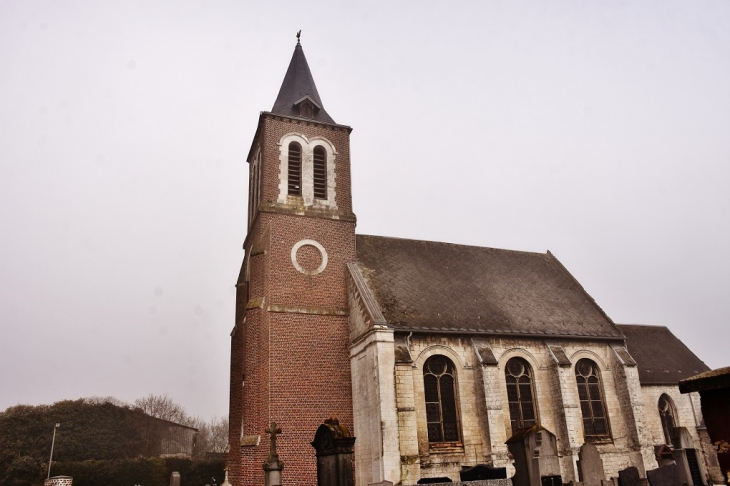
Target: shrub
(145, 471)
(23, 471)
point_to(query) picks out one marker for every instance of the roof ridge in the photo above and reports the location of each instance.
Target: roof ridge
(656, 326)
(454, 244)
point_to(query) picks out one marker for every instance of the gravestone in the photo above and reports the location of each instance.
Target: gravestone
(590, 465)
(665, 476)
(334, 446)
(225, 479)
(175, 479)
(535, 453)
(629, 477)
(273, 465)
(483, 471)
(685, 457)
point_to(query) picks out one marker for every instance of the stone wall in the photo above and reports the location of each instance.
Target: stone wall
(689, 416)
(481, 390)
(377, 454)
(689, 413)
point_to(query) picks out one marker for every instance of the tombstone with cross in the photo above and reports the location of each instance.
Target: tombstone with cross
(273, 465)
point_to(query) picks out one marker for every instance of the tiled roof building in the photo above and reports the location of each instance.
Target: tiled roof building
(433, 354)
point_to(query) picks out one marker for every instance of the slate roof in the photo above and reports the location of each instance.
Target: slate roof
(442, 287)
(298, 83)
(662, 359)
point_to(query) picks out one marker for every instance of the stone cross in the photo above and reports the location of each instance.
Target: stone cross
(273, 466)
(225, 480)
(272, 430)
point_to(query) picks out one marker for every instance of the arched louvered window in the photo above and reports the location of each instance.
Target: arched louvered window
(440, 386)
(668, 417)
(590, 393)
(520, 394)
(254, 181)
(320, 173)
(294, 174)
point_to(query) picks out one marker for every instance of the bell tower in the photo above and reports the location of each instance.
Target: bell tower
(289, 345)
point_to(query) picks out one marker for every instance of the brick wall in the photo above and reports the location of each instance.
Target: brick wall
(289, 347)
(273, 128)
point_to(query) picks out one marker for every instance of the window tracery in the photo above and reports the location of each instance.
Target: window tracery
(440, 390)
(592, 406)
(520, 394)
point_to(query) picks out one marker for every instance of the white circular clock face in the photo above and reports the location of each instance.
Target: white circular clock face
(309, 257)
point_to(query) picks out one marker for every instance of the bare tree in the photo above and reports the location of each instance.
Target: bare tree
(212, 436)
(202, 438)
(218, 434)
(162, 407)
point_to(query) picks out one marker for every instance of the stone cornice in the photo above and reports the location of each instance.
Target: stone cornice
(306, 121)
(304, 211)
(320, 311)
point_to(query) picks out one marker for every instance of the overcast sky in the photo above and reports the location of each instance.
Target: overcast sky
(597, 130)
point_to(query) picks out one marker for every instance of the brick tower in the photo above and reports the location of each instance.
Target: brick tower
(289, 346)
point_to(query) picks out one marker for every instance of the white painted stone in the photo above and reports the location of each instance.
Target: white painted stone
(484, 413)
(307, 182)
(322, 253)
(372, 362)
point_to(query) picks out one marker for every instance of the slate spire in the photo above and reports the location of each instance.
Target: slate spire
(298, 94)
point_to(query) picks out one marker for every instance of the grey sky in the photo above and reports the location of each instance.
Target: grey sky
(597, 130)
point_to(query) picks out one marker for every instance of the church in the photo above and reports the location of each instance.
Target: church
(432, 354)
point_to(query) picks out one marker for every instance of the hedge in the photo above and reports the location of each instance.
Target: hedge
(143, 471)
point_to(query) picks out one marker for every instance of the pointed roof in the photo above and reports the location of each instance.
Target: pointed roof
(299, 85)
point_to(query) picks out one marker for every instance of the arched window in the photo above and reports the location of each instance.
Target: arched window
(255, 184)
(440, 388)
(294, 175)
(669, 422)
(520, 394)
(320, 173)
(590, 393)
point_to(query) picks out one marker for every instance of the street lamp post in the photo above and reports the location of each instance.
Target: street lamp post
(50, 461)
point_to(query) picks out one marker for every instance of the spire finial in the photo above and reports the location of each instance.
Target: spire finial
(298, 34)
